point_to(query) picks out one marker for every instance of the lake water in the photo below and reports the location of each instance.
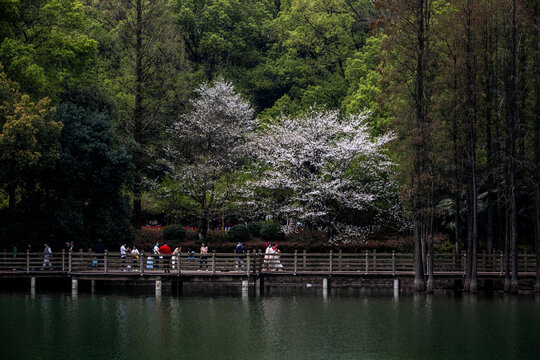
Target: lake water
(349, 325)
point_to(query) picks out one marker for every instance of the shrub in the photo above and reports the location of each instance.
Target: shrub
(145, 239)
(214, 237)
(254, 228)
(238, 233)
(308, 237)
(174, 232)
(272, 232)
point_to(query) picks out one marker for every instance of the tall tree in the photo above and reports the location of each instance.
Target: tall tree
(29, 148)
(331, 170)
(511, 281)
(145, 69)
(89, 177)
(209, 145)
(410, 36)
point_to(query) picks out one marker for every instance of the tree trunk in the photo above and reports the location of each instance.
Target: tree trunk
(488, 68)
(419, 279)
(472, 284)
(536, 119)
(138, 110)
(511, 115)
(430, 286)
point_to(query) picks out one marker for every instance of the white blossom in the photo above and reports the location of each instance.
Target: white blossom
(208, 144)
(326, 164)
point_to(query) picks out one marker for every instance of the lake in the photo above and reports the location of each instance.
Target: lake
(287, 325)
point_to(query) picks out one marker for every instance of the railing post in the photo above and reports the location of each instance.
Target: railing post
(63, 260)
(27, 260)
(141, 262)
(393, 263)
(367, 262)
(525, 255)
(213, 262)
(304, 260)
(106, 261)
(463, 262)
(429, 262)
(340, 259)
(248, 263)
(295, 261)
(70, 260)
(501, 263)
(81, 264)
(331, 263)
(374, 259)
(178, 256)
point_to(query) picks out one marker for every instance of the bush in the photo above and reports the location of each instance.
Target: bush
(254, 228)
(174, 232)
(238, 233)
(214, 237)
(145, 239)
(272, 232)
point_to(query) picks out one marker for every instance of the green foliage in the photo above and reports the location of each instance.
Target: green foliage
(272, 231)
(215, 238)
(174, 232)
(238, 233)
(44, 44)
(254, 228)
(28, 136)
(89, 178)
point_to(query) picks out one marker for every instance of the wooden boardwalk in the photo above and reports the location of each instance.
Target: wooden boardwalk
(114, 266)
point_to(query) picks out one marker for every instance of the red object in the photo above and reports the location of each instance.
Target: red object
(165, 250)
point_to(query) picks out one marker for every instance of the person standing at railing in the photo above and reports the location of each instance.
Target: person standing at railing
(275, 255)
(204, 256)
(165, 250)
(14, 253)
(47, 254)
(123, 251)
(135, 254)
(155, 251)
(176, 256)
(267, 257)
(239, 250)
(100, 252)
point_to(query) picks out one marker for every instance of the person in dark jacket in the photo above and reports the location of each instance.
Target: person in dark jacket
(99, 250)
(239, 250)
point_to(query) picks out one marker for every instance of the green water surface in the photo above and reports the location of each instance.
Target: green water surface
(278, 326)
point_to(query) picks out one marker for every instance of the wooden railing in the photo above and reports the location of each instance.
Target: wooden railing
(254, 262)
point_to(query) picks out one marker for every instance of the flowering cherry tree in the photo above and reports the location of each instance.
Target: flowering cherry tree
(208, 146)
(328, 172)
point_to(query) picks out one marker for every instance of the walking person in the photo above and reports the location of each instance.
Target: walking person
(123, 251)
(47, 254)
(165, 250)
(239, 250)
(267, 257)
(275, 258)
(176, 256)
(14, 253)
(135, 254)
(204, 256)
(155, 251)
(100, 252)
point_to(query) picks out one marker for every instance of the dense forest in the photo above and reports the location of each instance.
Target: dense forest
(356, 118)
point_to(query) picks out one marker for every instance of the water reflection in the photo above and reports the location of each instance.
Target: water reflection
(293, 324)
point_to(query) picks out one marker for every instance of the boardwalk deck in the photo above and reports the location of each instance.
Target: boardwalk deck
(366, 265)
